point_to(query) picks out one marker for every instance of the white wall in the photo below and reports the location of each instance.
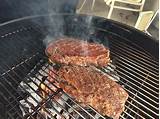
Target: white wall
(151, 5)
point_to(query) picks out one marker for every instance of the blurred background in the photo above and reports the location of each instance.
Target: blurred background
(124, 16)
(146, 19)
(141, 14)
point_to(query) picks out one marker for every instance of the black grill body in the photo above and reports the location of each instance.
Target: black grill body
(134, 54)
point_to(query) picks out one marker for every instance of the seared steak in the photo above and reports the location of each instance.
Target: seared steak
(77, 52)
(94, 88)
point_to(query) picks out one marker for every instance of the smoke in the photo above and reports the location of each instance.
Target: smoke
(55, 21)
(56, 25)
(71, 26)
(23, 8)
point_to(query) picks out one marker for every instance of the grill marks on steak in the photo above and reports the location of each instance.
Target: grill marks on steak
(77, 52)
(94, 88)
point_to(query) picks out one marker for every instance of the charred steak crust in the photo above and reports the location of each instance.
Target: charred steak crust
(77, 52)
(94, 88)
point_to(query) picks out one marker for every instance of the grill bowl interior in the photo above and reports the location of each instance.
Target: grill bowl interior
(134, 54)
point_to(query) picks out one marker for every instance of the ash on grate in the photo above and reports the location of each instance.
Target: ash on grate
(31, 85)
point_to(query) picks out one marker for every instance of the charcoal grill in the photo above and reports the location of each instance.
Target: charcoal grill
(24, 67)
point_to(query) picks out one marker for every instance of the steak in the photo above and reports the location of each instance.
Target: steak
(77, 52)
(94, 88)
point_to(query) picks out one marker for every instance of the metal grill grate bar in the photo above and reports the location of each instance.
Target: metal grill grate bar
(134, 57)
(136, 95)
(121, 69)
(123, 57)
(133, 111)
(135, 70)
(152, 88)
(139, 89)
(133, 50)
(125, 61)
